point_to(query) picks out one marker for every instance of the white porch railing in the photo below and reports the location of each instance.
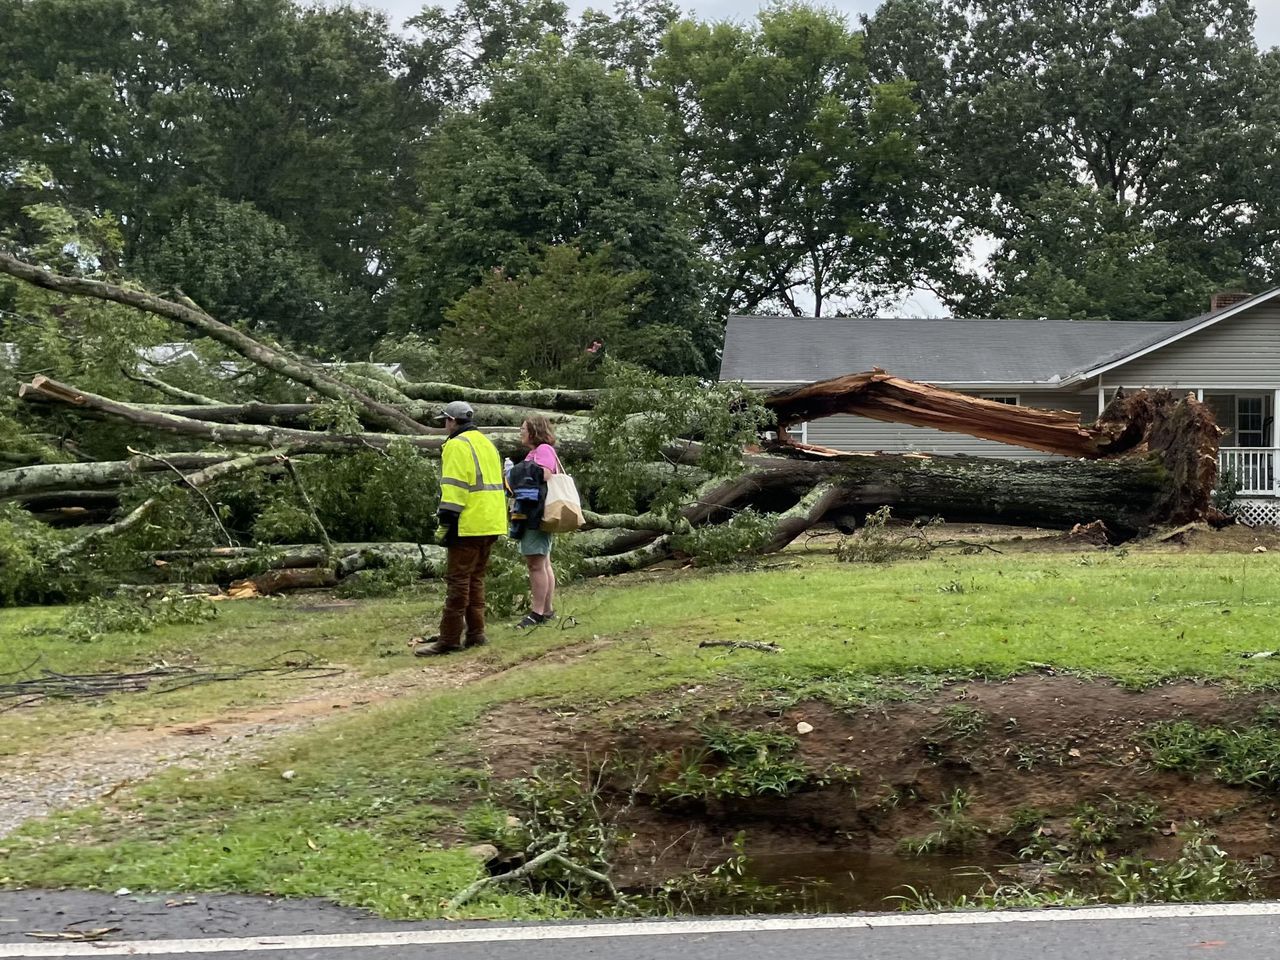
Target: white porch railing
(1253, 468)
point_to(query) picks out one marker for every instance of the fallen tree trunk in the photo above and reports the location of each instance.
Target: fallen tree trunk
(224, 564)
(1129, 495)
(550, 398)
(53, 477)
(303, 414)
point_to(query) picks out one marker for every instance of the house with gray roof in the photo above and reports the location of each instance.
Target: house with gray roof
(1229, 357)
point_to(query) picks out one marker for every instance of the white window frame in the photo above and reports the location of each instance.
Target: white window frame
(799, 432)
(1261, 432)
(1012, 399)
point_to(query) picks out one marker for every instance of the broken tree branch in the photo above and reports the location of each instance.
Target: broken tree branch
(213, 511)
(52, 477)
(168, 389)
(218, 471)
(311, 507)
(189, 315)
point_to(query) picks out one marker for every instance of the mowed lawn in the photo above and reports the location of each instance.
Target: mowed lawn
(359, 821)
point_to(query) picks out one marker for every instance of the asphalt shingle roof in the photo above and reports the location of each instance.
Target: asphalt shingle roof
(800, 349)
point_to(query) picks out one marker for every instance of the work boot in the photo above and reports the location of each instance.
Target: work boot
(479, 641)
(435, 647)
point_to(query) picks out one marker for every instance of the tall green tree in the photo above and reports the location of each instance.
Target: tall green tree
(542, 324)
(459, 52)
(245, 268)
(1074, 254)
(147, 108)
(629, 39)
(803, 174)
(1162, 109)
(563, 151)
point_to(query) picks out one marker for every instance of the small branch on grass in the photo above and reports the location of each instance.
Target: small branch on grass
(964, 543)
(742, 645)
(519, 872)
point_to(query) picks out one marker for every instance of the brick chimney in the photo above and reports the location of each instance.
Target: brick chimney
(1226, 298)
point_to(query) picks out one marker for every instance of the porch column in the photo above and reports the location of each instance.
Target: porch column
(1200, 394)
(1275, 452)
(1102, 396)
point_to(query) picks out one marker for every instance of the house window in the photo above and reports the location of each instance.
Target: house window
(799, 432)
(1251, 421)
(1009, 398)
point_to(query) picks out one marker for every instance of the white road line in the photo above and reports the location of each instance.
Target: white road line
(639, 928)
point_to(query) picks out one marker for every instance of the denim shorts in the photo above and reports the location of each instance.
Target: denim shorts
(535, 543)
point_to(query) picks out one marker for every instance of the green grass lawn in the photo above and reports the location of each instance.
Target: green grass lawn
(373, 792)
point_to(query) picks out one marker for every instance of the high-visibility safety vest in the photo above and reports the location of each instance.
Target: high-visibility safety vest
(471, 484)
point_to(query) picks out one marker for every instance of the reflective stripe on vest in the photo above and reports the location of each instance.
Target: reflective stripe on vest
(472, 487)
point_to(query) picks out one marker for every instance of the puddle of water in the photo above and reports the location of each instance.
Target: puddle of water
(838, 882)
(847, 882)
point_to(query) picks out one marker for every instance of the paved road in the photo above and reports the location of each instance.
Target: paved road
(221, 928)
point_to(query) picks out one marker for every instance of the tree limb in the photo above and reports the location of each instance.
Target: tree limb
(194, 318)
(311, 507)
(168, 389)
(210, 474)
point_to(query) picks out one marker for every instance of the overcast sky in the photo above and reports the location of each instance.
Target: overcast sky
(1268, 11)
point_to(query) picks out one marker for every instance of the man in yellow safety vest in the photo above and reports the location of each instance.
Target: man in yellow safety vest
(472, 514)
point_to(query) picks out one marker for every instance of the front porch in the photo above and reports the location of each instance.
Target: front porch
(1252, 472)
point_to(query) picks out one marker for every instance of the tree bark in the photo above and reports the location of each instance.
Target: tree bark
(551, 398)
(52, 477)
(1128, 494)
(300, 414)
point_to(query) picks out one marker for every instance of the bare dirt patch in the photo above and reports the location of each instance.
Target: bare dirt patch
(1033, 743)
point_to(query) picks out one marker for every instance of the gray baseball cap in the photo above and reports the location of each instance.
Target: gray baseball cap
(458, 410)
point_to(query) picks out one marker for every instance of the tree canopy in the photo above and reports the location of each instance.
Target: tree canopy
(323, 178)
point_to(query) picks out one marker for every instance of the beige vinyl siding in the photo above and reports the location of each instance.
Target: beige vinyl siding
(1239, 352)
(860, 434)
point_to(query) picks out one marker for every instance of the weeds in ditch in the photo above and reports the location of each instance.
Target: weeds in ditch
(956, 831)
(743, 763)
(1202, 872)
(994, 895)
(1093, 832)
(1244, 756)
(726, 888)
(961, 722)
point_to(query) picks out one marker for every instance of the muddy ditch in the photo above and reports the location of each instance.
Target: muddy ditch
(1037, 788)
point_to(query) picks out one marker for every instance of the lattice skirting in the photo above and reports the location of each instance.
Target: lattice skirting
(1258, 511)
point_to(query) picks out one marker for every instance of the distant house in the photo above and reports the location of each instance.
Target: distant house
(1229, 357)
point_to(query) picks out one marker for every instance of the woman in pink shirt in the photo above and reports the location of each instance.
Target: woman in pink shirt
(535, 545)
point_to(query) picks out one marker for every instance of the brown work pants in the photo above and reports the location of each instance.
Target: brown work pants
(464, 600)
